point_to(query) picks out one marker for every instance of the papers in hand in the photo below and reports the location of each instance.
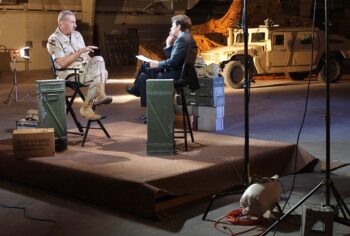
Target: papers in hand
(143, 58)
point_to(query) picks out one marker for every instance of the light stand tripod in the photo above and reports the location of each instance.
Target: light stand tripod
(14, 90)
(247, 75)
(327, 182)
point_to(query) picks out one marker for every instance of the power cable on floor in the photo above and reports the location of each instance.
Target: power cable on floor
(221, 226)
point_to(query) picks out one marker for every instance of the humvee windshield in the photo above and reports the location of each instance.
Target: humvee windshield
(256, 37)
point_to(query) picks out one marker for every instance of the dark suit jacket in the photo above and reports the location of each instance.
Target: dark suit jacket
(176, 54)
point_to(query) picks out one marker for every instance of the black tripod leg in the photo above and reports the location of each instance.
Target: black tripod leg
(293, 208)
(218, 195)
(209, 207)
(342, 206)
(279, 208)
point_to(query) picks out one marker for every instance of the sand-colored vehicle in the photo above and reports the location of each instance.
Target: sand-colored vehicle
(279, 50)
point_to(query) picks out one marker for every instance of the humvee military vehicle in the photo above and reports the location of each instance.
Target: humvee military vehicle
(274, 49)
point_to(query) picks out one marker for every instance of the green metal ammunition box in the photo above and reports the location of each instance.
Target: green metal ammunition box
(203, 101)
(210, 94)
(208, 87)
(52, 111)
(160, 117)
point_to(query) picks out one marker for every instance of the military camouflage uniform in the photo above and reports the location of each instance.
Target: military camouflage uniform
(91, 72)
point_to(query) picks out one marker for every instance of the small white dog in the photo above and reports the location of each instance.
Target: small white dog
(260, 197)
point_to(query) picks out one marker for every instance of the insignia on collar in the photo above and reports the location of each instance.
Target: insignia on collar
(52, 42)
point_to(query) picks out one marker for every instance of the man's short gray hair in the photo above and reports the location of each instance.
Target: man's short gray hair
(63, 14)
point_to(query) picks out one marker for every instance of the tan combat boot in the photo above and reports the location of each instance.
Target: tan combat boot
(87, 112)
(101, 97)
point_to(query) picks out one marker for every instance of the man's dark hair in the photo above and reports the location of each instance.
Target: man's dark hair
(182, 20)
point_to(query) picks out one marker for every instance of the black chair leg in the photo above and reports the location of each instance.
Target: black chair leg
(99, 123)
(189, 123)
(187, 128)
(103, 128)
(72, 98)
(75, 119)
(184, 115)
(88, 126)
(81, 94)
(86, 132)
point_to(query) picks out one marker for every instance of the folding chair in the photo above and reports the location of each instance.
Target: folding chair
(72, 82)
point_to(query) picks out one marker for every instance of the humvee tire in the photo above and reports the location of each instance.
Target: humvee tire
(335, 71)
(234, 74)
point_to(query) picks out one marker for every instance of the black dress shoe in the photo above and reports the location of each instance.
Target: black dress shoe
(132, 90)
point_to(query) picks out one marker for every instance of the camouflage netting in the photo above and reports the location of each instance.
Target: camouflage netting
(209, 41)
(258, 11)
(152, 50)
(213, 33)
(229, 20)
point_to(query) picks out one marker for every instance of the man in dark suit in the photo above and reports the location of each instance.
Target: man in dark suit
(178, 44)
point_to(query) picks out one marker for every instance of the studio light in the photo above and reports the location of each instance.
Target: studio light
(15, 53)
(24, 52)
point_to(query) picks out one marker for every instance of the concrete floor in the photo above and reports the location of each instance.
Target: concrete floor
(276, 111)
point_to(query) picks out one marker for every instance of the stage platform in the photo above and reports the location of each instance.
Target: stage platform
(118, 173)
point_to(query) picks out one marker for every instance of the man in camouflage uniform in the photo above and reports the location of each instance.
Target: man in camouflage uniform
(68, 50)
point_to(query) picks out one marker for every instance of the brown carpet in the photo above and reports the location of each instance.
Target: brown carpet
(117, 172)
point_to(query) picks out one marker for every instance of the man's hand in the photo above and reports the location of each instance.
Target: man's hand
(66, 61)
(153, 64)
(170, 40)
(88, 49)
